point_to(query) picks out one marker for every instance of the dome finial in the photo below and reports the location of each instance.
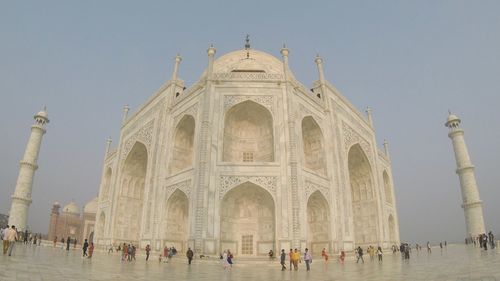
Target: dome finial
(247, 42)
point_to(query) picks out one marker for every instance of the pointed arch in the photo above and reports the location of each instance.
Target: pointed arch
(364, 204)
(102, 224)
(313, 146)
(248, 134)
(182, 153)
(247, 220)
(128, 216)
(387, 188)
(176, 220)
(318, 222)
(392, 229)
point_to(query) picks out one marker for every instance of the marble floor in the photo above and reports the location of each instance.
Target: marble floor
(456, 262)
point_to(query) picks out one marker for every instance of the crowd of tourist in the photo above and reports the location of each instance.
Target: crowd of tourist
(10, 235)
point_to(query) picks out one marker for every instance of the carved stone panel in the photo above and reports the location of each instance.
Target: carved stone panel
(226, 183)
(144, 135)
(311, 187)
(184, 186)
(266, 101)
(352, 137)
(192, 110)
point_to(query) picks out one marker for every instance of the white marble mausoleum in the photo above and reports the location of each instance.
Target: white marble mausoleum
(247, 159)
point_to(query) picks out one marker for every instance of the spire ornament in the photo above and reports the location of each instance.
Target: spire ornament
(247, 45)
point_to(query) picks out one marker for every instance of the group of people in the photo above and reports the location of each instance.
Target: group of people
(88, 247)
(482, 240)
(9, 237)
(128, 251)
(227, 260)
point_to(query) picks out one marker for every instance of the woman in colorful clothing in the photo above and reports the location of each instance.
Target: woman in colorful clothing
(342, 257)
(91, 249)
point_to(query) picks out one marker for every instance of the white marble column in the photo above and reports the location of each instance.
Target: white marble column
(472, 204)
(21, 199)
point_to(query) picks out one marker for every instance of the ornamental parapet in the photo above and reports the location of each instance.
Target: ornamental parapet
(247, 76)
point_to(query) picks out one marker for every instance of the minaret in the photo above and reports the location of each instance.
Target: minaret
(472, 205)
(21, 199)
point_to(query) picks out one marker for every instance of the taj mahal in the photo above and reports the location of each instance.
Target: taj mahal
(247, 159)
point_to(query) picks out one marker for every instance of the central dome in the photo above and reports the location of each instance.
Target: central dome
(248, 61)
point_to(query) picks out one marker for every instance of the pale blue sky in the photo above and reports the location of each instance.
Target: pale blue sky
(410, 61)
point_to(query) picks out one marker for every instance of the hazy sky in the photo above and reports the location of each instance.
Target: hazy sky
(410, 61)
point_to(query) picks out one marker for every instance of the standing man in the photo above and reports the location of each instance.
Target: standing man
(84, 248)
(3, 234)
(12, 238)
(148, 249)
(429, 247)
(308, 259)
(189, 255)
(360, 255)
(282, 259)
(68, 241)
(290, 256)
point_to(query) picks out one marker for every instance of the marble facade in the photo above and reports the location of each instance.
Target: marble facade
(247, 159)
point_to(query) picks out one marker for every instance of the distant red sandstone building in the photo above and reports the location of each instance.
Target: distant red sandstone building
(71, 222)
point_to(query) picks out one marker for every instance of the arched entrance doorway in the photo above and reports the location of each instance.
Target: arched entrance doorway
(318, 223)
(247, 224)
(175, 222)
(128, 216)
(364, 205)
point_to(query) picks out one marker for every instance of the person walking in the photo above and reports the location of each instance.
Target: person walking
(12, 238)
(429, 247)
(342, 257)
(68, 241)
(308, 259)
(360, 255)
(5, 242)
(91, 249)
(189, 255)
(324, 254)
(379, 253)
(148, 249)
(84, 248)
(230, 259)
(282, 259)
(225, 264)
(296, 259)
(290, 257)
(55, 241)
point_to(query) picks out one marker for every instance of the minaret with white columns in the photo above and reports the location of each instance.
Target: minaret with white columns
(21, 199)
(472, 205)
